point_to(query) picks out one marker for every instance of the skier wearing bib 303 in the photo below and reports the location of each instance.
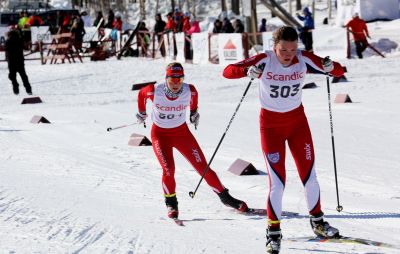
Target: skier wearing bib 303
(282, 119)
(170, 103)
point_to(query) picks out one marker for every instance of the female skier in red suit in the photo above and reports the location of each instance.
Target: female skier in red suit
(170, 103)
(282, 119)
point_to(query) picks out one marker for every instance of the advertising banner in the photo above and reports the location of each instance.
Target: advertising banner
(230, 48)
(200, 48)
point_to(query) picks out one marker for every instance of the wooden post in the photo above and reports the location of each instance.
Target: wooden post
(41, 52)
(142, 10)
(298, 5)
(154, 45)
(254, 20)
(313, 10)
(329, 9)
(223, 6)
(194, 8)
(235, 7)
(348, 44)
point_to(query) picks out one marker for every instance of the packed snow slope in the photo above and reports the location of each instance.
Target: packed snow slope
(72, 187)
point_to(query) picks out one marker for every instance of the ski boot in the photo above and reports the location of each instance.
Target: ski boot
(28, 90)
(230, 201)
(172, 206)
(274, 237)
(322, 228)
(15, 89)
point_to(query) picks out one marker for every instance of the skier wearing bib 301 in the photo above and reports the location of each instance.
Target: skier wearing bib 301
(170, 103)
(282, 119)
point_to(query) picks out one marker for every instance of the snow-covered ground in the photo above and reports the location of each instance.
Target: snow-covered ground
(72, 187)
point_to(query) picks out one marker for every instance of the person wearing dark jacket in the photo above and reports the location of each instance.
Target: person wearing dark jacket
(78, 30)
(110, 19)
(15, 58)
(159, 28)
(263, 26)
(99, 18)
(227, 26)
(238, 26)
(217, 26)
(306, 31)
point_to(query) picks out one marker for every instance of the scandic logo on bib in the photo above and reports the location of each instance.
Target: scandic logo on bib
(279, 77)
(171, 108)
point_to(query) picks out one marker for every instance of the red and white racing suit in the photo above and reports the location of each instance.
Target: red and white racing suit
(170, 130)
(282, 119)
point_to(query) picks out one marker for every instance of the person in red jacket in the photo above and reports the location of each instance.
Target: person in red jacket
(170, 26)
(359, 29)
(35, 20)
(118, 23)
(171, 99)
(186, 23)
(281, 72)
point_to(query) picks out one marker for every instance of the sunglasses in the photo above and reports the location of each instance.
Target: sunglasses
(175, 79)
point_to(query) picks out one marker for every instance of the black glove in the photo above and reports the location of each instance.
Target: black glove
(194, 118)
(327, 64)
(141, 117)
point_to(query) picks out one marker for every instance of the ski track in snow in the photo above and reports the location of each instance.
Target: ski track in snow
(62, 232)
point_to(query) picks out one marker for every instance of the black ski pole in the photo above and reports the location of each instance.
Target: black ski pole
(122, 126)
(339, 208)
(192, 193)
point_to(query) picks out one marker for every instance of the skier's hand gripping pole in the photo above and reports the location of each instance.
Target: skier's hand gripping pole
(193, 193)
(326, 62)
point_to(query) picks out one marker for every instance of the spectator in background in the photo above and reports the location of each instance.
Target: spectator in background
(178, 23)
(217, 26)
(99, 18)
(35, 20)
(78, 31)
(66, 23)
(23, 25)
(23, 21)
(143, 38)
(110, 19)
(185, 28)
(227, 26)
(159, 28)
(178, 20)
(160, 25)
(195, 27)
(359, 29)
(263, 26)
(51, 23)
(118, 23)
(306, 31)
(238, 26)
(170, 26)
(16, 63)
(186, 22)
